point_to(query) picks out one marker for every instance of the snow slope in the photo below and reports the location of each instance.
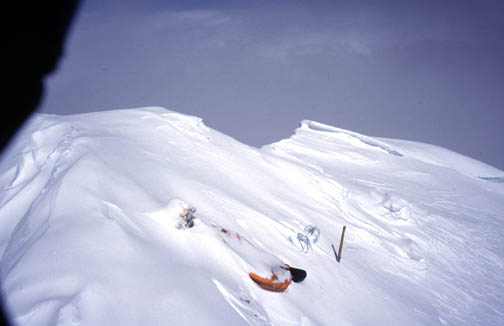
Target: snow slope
(89, 204)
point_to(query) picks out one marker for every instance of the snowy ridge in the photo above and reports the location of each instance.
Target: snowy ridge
(89, 205)
(348, 135)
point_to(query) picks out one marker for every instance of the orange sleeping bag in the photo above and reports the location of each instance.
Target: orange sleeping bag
(272, 283)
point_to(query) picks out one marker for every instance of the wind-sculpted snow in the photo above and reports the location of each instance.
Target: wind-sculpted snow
(493, 179)
(89, 208)
(350, 136)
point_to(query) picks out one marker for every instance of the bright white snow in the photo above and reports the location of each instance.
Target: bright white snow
(89, 205)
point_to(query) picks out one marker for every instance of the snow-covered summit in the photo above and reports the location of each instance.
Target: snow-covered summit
(89, 206)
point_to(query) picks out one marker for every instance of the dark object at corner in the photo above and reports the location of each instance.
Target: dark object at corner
(36, 39)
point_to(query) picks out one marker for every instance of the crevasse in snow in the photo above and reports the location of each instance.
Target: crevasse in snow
(89, 206)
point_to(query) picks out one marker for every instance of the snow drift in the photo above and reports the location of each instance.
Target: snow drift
(89, 205)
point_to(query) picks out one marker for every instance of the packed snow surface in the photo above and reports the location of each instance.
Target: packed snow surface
(89, 206)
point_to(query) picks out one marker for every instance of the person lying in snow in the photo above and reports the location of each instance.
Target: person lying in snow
(281, 274)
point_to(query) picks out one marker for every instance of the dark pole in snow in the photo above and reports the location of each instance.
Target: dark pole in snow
(341, 243)
(338, 255)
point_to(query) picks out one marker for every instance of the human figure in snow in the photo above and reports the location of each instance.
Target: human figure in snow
(259, 260)
(281, 273)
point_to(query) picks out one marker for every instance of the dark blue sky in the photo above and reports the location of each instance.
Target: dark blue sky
(430, 71)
